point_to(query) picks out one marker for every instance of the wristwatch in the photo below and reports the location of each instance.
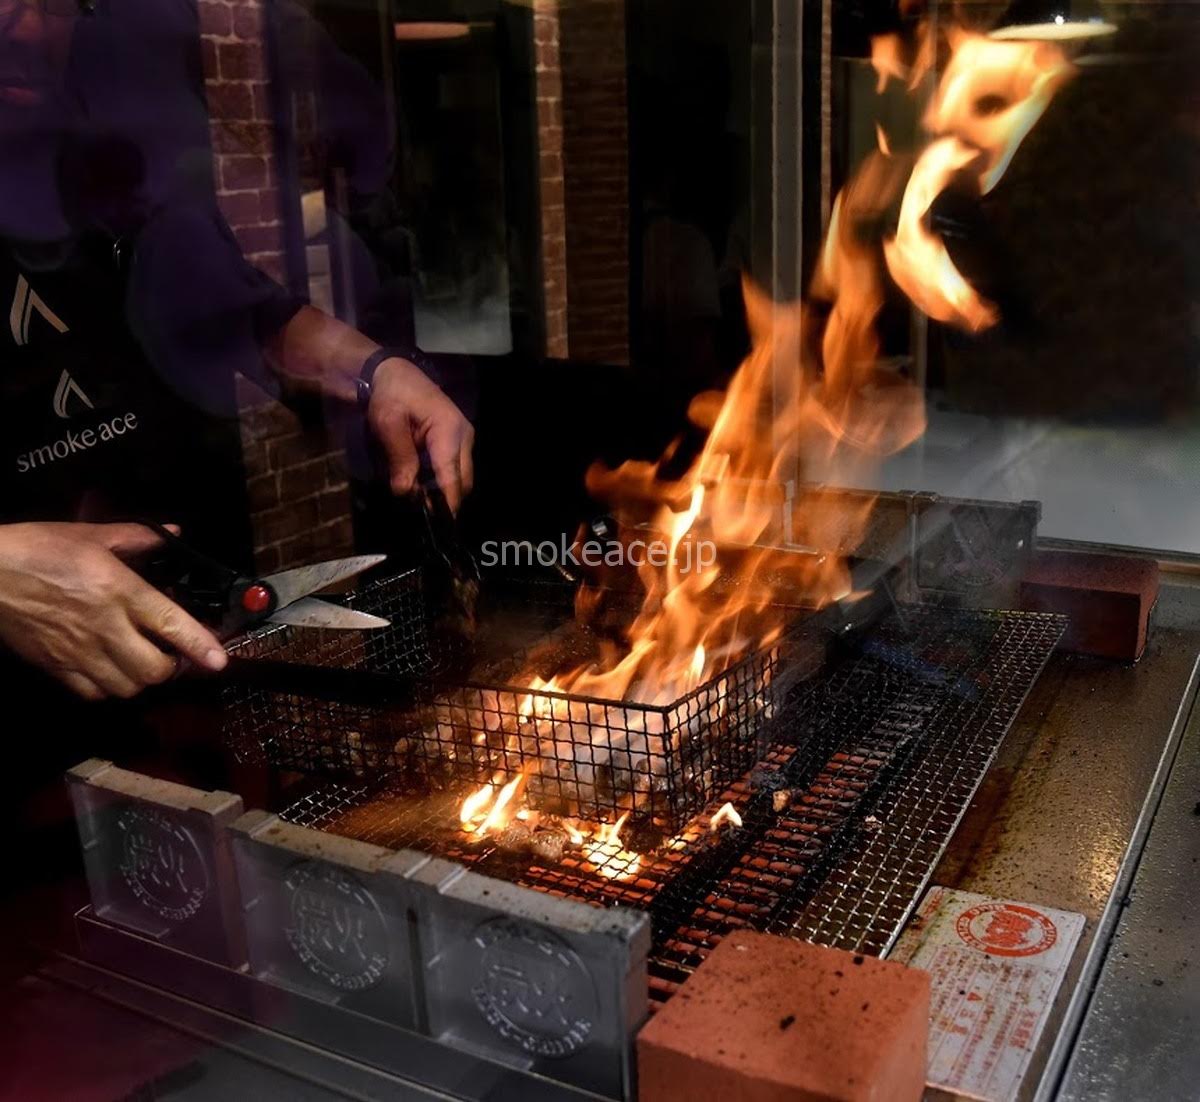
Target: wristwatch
(366, 374)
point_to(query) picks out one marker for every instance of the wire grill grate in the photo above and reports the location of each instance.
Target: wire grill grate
(355, 704)
(845, 814)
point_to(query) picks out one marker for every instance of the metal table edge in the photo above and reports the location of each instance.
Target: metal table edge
(1064, 1045)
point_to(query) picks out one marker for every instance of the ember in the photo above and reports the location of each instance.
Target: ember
(726, 813)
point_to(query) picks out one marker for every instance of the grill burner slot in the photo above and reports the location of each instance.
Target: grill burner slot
(880, 754)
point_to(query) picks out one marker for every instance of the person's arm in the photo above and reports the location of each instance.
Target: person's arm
(70, 606)
(244, 318)
(407, 410)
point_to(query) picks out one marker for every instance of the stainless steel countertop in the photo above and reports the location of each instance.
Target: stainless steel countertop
(1054, 819)
(1139, 1035)
(1079, 773)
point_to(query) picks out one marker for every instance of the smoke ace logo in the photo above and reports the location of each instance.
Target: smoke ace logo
(68, 394)
(26, 301)
(67, 388)
(109, 429)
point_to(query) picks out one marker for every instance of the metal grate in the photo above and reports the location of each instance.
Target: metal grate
(357, 704)
(292, 728)
(844, 816)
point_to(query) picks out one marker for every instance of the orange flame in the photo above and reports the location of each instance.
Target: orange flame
(813, 393)
(886, 59)
(993, 93)
(474, 804)
(609, 856)
(497, 809)
(989, 98)
(501, 812)
(918, 259)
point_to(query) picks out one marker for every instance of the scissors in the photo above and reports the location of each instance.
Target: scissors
(232, 603)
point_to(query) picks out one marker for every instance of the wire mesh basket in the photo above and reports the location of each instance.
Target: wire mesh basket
(369, 704)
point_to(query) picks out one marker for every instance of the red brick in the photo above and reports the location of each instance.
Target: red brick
(240, 60)
(545, 29)
(208, 57)
(549, 116)
(262, 102)
(303, 480)
(264, 418)
(300, 550)
(285, 522)
(247, 21)
(334, 504)
(1106, 598)
(216, 18)
(254, 457)
(326, 541)
(270, 263)
(768, 1019)
(229, 100)
(335, 468)
(267, 559)
(331, 540)
(552, 192)
(269, 206)
(242, 208)
(288, 451)
(242, 136)
(257, 239)
(244, 172)
(262, 492)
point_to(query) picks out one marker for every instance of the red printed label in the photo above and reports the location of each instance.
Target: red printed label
(1006, 929)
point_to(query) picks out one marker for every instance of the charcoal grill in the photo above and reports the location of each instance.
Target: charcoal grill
(377, 703)
(849, 779)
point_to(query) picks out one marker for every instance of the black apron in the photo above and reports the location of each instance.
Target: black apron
(89, 429)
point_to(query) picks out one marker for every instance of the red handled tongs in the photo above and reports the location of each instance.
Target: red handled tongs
(231, 603)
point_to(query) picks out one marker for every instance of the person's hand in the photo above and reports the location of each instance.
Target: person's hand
(69, 605)
(407, 412)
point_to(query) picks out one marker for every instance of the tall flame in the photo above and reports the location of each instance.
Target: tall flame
(793, 401)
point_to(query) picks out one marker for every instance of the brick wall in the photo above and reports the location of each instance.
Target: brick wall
(551, 194)
(583, 150)
(595, 153)
(296, 483)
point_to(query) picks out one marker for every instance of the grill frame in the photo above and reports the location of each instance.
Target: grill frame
(860, 881)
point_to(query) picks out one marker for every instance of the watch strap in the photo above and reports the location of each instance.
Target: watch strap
(366, 374)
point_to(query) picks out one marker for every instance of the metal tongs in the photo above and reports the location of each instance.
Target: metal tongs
(452, 579)
(232, 603)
